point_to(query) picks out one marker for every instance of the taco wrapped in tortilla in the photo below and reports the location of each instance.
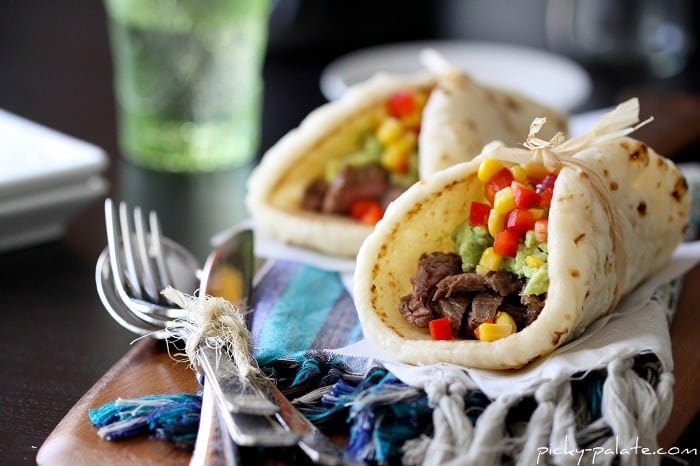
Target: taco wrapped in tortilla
(326, 183)
(496, 262)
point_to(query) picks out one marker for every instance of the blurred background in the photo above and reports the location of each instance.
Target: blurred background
(55, 63)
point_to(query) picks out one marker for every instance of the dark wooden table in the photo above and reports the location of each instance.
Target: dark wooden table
(56, 340)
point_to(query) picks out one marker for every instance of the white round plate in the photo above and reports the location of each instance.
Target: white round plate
(547, 78)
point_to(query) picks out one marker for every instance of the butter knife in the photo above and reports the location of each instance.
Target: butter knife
(228, 272)
(218, 279)
(314, 443)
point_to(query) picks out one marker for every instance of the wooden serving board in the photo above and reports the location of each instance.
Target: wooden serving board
(145, 369)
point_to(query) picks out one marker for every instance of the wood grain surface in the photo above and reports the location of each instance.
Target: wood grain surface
(145, 369)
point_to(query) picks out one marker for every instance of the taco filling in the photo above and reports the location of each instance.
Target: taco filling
(495, 281)
(384, 163)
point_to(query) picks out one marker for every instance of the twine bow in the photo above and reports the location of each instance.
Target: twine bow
(216, 323)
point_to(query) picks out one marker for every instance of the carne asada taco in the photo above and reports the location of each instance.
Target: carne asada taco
(326, 183)
(516, 252)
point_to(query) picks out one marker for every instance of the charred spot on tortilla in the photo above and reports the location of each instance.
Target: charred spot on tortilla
(642, 208)
(680, 189)
(511, 104)
(579, 238)
(574, 273)
(614, 186)
(608, 265)
(640, 154)
(558, 334)
(561, 122)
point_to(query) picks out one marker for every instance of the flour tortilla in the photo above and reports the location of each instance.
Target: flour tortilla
(276, 187)
(462, 116)
(648, 191)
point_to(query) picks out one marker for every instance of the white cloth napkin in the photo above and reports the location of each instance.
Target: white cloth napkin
(638, 326)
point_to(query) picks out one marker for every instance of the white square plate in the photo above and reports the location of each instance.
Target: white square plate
(34, 157)
(46, 177)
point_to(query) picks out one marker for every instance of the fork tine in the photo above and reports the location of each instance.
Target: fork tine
(147, 265)
(131, 272)
(113, 241)
(163, 270)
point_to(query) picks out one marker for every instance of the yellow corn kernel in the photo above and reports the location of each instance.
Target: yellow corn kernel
(395, 159)
(412, 120)
(496, 222)
(395, 156)
(503, 318)
(533, 262)
(490, 260)
(487, 169)
(535, 170)
(390, 131)
(377, 117)
(519, 174)
(537, 213)
(408, 141)
(492, 332)
(504, 201)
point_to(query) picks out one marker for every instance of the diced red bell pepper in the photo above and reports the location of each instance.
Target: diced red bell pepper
(366, 211)
(541, 229)
(401, 104)
(440, 329)
(545, 189)
(524, 196)
(546, 198)
(500, 180)
(520, 221)
(479, 214)
(505, 243)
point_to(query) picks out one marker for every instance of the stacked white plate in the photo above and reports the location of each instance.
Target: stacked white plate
(46, 178)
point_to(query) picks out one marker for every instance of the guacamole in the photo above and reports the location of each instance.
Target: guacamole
(470, 243)
(529, 262)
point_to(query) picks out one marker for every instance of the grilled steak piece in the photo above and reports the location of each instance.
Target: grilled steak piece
(503, 283)
(534, 304)
(434, 267)
(454, 309)
(467, 299)
(354, 183)
(314, 194)
(416, 310)
(417, 307)
(484, 307)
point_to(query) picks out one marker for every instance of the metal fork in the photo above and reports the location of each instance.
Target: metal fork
(138, 269)
(142, 272)
(298, 429)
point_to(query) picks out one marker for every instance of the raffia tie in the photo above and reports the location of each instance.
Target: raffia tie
(558, 152)
(216, 323)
